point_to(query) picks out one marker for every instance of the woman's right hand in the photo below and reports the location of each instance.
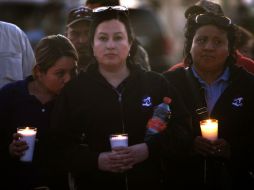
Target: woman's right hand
(204, 146)
(217, 148)
(17, 146)
(116, 161)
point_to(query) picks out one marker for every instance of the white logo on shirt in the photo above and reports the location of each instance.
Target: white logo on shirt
(147, 101)
(238, 102)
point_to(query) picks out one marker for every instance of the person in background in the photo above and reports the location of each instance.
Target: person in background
(204, 6)
(28, 103)
(214, 86)
(114, 96)
(245, 42)
(16, 54)
(77, 28)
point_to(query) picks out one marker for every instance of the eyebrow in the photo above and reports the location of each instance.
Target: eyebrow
(113, 33)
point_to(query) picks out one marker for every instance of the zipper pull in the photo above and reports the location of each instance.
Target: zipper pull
(120, 97)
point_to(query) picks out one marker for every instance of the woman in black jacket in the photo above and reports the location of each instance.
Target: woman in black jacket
(214, 87)
(115, 95)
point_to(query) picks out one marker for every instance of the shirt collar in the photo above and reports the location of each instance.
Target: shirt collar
(223, 77)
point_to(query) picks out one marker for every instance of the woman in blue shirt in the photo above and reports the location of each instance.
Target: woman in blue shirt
(215, 87)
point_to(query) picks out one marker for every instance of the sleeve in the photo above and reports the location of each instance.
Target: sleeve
(176, 139)
(28, 59)
(64, 149)
(5, 118)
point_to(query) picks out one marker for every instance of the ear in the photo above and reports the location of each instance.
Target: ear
(36, 71)
(130, 46)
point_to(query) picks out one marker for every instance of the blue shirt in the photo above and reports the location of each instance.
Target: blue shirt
(213, 91)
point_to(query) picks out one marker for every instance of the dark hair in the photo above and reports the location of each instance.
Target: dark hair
(109, 14)
(243, 36)
(192, 26)
(51, 48)
(203, 6)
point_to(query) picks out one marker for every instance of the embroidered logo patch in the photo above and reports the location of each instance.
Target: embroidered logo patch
(147, 101)
(238, 102)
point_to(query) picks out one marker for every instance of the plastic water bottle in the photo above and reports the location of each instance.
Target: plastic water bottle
(158, 122)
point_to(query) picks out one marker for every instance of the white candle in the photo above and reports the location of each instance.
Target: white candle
(118, 140)
(209, 129)
(28, 135)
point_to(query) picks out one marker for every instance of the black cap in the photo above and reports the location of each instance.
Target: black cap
(204, 6)
(79, 14)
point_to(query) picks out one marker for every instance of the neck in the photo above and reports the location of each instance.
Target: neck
(115, 76)
(40, 92)
(209, 76)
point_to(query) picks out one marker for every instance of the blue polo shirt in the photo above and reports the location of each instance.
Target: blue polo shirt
(213, 91)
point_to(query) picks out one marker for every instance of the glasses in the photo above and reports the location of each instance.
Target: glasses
(213, 19)
(109, 8)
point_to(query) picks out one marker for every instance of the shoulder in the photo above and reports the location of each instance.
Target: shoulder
(240, 75)
(10, 28)
(178, 73)
(158, 82)
(14, 88)
(82, 81)
(176, 66)
(246, 62)
(153, 77)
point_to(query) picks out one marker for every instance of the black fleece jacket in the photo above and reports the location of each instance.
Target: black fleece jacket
(89, 109)
(235, 112)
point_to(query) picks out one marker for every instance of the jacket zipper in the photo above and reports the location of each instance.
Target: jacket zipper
(121, 109)
(123, 128)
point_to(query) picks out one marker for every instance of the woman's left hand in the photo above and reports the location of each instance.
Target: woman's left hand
(222, 148)
(139, 152)
(17, 146)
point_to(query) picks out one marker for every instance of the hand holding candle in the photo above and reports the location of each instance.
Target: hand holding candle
(28, 135)
(119, 140)
(209, 129)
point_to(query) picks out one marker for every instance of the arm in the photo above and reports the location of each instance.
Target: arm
(28, 59)
(176, 139)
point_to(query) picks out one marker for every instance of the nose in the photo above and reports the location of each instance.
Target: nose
(110, 44)
(209, 45)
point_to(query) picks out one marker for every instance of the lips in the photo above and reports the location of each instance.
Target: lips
(207, 57)
(110, 55)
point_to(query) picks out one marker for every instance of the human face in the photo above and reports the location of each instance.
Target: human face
(78, 35)
(209, 49)
(111, 45)
(58, 75)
